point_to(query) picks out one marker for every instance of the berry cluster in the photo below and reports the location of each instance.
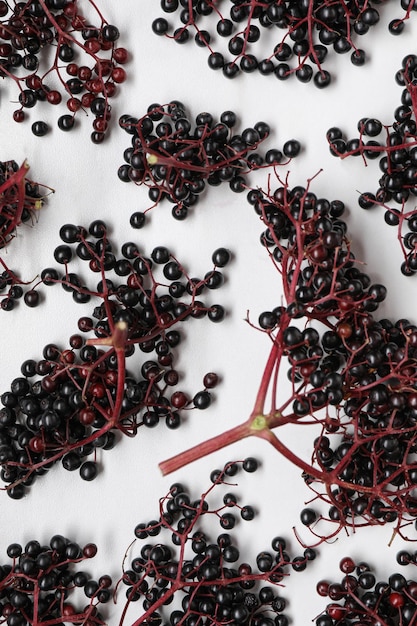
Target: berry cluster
(353, 378)
(20, 198)
(176, 157)
(360, 599)
(36, 584)
(203, 574)
(305, 32)
(12, 290)
(395, 146)
(81, 57)
(72, 401)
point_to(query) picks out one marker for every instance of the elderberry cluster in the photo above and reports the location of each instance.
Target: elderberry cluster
(353, 377)
(360, 369)
(84, 58)
(395, 147)
(177, 157)
(305, 32)
(328, 283)
(19, 199)
(205, 575)
(359, 598)
(36, 584)
(11, 292)
(72, 401)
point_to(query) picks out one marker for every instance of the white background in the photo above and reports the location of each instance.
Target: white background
(84, 177)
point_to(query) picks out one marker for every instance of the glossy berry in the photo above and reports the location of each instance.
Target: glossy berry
(40, 129)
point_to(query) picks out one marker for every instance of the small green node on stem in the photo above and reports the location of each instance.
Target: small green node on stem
(116, 340)
(152, 159)
(259, 422)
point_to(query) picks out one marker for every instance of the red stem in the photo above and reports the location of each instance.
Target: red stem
(207, 447)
